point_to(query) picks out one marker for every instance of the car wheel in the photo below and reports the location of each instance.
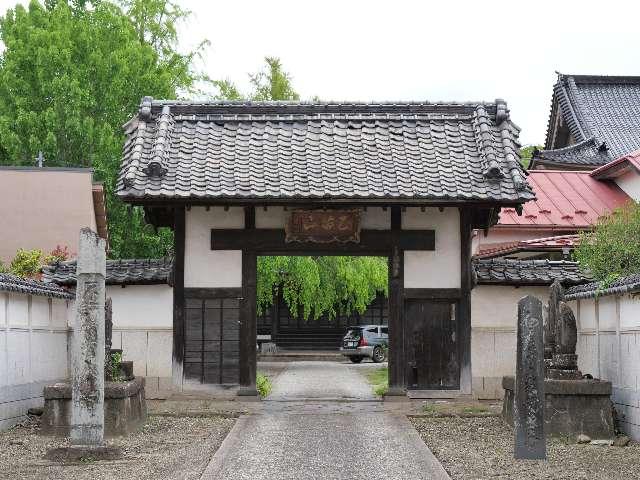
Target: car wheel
(378, 355)
(355, 359)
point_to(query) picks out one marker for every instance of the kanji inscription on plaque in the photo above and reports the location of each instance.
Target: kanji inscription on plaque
(324, 226)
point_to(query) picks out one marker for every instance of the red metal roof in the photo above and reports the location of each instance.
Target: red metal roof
(619, 166)
(556, 243)
(570, 200)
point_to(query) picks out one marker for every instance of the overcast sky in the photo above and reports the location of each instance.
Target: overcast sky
(420, 50)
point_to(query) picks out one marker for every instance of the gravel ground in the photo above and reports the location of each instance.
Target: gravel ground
(481, 448)
(166, 447)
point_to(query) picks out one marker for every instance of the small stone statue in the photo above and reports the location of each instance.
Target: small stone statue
(561, 336)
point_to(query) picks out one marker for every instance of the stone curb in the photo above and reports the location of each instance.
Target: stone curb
(214, 468)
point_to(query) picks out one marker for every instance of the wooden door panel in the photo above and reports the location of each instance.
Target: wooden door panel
(431, 346)
(211, 341)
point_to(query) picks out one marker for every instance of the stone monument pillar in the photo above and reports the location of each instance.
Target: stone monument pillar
(87, 359)
(528, 415)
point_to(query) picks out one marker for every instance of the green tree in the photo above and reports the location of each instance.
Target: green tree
(526, 153)
(273, 83)
(312, 286)
(612, 249)
(72, 73)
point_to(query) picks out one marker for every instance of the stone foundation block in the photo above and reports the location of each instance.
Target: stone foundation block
(572, 407)
(125, 408)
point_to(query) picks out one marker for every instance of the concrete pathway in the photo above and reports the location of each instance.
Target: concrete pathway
(322, 422)
(322, 381)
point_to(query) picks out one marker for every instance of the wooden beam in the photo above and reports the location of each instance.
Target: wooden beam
(213, 293)
(248, 321)
(178, 296)
(433, 293)
(464, 308)
(397, 383)
(266, 241)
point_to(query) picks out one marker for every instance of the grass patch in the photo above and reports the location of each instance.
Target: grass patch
(475, 410)
(429, 408)
(379, 379)
(263, 384)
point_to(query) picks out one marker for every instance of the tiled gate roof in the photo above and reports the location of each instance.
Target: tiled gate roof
(285, 151)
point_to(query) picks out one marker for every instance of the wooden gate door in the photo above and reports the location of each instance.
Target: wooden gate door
(431, 345)
(212, 353)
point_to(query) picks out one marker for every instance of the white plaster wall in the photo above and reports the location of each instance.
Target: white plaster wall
(494, 313)
(141, 306)
(629, 182)
(609, 348)
(375, 218)
(143, 329)
(208, 268)
(439, 268)
(33, 351)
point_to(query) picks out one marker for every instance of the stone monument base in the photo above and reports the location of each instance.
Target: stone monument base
(572, 407)
(125, 409)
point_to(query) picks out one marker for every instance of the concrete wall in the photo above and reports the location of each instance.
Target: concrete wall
(43, 208)
(494, 326)
(629, 182)
(33, 351)
(609, 348)
(143, 329)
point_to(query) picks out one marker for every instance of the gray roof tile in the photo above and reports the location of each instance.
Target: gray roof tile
(629, 284)
(119, 272)
(11, 283)
(527, 272)
(282, 150)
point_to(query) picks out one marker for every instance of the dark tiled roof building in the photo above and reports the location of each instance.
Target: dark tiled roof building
(119, 272)
(279, 151)
(594, 120)
(527, 272)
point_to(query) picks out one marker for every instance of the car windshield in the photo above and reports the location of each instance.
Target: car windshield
(354, 332)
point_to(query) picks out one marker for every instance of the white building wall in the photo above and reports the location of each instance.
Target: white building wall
(494, 327)
(609, 348)
(629, 182)
(143, 329)
(206, 268)
(33, 351)
(439, 268)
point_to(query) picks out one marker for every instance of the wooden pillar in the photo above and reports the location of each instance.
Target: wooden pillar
(248, 328)
(397, 384)
(178, 295)
(464, 309)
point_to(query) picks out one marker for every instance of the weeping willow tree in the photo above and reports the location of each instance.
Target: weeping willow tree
(315, 286)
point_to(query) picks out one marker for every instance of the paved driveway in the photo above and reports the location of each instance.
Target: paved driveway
(322, 422)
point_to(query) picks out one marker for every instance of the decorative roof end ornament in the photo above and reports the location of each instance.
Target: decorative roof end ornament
(154, 170)
(493, 171)
(502, 112)
(145, 108)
